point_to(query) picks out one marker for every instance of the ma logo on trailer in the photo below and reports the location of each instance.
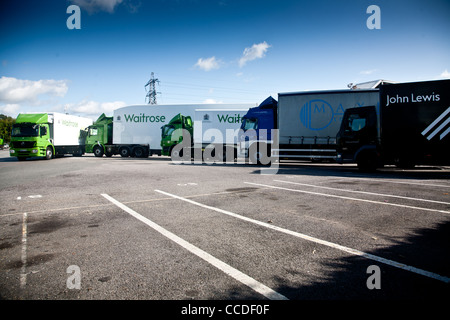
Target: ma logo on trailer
(318, 114)
(440, 127)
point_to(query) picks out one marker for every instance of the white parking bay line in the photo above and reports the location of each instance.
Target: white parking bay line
(363, 192)
(316, 240)
(234, 273)
(348, 198)
(423, 183)
(23, 273)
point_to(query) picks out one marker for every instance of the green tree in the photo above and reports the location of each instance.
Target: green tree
(6, 127)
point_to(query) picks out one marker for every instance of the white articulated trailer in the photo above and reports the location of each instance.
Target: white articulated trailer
(141, 124)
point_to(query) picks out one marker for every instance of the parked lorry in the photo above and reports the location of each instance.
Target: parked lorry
(141, 124)
(48, 135)
(215, 130)
(306, 122)
(100, 141)
(409, 127)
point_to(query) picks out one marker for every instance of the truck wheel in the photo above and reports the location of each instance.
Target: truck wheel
(49, 153)
(138, 152)
(98, 151)
(124, 152)
(176, 154)
(260, 156)
(367, 162)
(78, 153)
(404, 163)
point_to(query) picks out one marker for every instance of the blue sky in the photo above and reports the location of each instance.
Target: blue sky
(223, 51)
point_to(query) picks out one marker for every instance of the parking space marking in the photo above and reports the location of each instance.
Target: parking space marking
(23, 258)
(102, 205)
(316, 240)
(391, 181)
(349, 198)
(227, 269)
(363, 192)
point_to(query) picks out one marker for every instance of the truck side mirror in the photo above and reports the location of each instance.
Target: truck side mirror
(43, 131)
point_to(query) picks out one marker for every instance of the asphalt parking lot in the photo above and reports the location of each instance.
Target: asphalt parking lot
(126, 229)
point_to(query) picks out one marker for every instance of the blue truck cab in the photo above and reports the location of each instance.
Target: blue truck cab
(257, 126)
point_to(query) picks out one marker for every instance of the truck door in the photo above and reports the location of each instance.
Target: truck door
(357, 137)
(359, 126)
(109, 133)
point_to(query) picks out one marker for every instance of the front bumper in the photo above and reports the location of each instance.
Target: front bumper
(27, 152)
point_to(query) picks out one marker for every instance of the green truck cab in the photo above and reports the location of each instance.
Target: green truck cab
(172, 133)
(30, 137)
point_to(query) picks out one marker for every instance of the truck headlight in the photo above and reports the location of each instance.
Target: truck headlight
(34, 151)
(12, 151)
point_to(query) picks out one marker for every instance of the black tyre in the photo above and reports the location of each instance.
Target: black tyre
(98, 151)
(49, 153)
(367, 162)
(404, 163)
(138, 152)
(176, 154)
(261, 155)
(124, 152)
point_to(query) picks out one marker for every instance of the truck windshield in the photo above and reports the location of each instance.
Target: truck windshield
(25, 130)
(250, 124)
(355, 122)
(93, 131)
(167, 130)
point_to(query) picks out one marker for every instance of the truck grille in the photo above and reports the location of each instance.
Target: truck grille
(23, 144)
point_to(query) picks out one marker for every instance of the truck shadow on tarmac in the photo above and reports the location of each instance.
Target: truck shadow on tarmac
(427, 249)
(350, 280)
(337, 170)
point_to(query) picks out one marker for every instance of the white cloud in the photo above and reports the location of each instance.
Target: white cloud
(368, 72)
(211, 101)
(208, 64)
(93, 107)
(92, 6)
(15, 91)
(18, 96)
(445, 74)
(10, 109)
(257, 51)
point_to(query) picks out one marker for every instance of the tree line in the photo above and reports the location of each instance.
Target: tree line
(6, 124)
